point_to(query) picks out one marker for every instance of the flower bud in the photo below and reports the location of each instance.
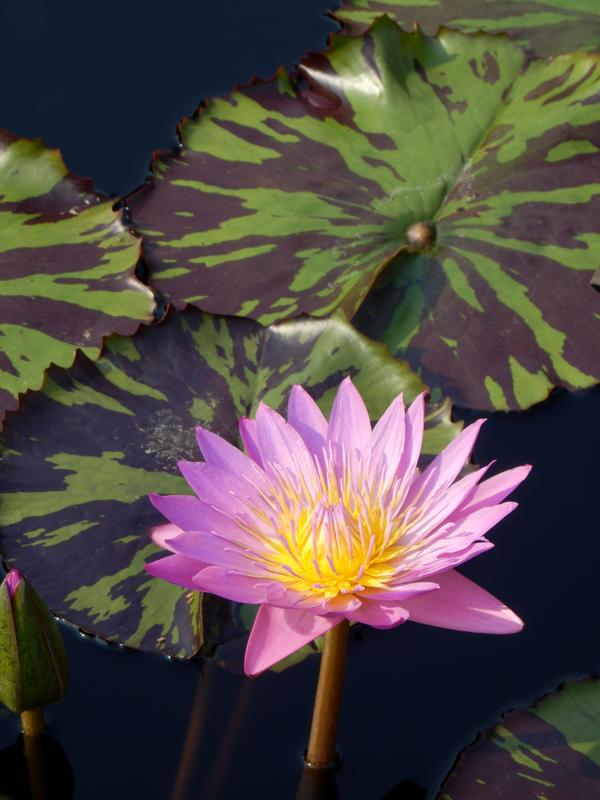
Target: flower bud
(33, 662)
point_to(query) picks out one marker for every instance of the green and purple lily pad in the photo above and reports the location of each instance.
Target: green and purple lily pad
(295, 195)
(548, 752)
(545, 27)
(66, 268)
(81, 456)
(497, 308)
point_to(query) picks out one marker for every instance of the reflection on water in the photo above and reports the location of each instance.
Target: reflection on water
(318, 784)
(35, 769)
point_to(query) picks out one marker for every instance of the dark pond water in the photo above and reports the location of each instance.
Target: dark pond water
(108, 86)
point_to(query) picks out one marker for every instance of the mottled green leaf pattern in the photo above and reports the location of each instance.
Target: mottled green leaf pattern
(500, 310)
(550, 752)
(81, 456)
(546, 27)
(66, 268)
(290, 196)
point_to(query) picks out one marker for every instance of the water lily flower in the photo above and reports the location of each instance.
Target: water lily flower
(328, 520)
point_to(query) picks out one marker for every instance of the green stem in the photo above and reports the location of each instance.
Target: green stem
(321, 745)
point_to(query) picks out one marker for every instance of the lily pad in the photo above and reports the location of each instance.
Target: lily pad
(66, 268)
(81, 456)
(497, 308)
(549, 752)
(546, 27)
(292, 196)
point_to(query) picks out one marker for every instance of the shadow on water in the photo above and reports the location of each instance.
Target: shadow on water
(36, 769)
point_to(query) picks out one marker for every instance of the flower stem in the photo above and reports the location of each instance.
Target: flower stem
(33, 722)
(321, 745)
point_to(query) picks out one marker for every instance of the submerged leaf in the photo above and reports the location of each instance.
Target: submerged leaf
(82, 455)
(546, 27)
(551, 751)
(66, 268)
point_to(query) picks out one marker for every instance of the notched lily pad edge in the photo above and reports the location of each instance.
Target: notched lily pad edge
(85, 185)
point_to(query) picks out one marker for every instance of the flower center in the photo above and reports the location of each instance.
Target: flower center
(341, 534)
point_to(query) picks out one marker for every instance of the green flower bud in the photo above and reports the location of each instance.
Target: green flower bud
(33, 662)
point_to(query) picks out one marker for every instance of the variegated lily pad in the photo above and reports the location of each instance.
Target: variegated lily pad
(549, 752)
(545, 27)
(292, 196)
(82, 455)
(498, 309)
(66, 268)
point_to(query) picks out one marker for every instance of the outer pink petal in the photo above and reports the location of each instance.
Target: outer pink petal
(190, 514)
(278, 632)
(175, 569)
(214, 550)
(388, 438)
(349, 423)
(306, 417)
(399, 592)
(184, 511)
(496, 488)
(462, 605)
(435, 565)
(220, 453)
(473, 526)
(446, 466)
(216, 487)
(281, 444)
(447, 507)
(278, 595)
(232, 585)
(249, 438)
(414, 422)
(379, 615)
(162, 533)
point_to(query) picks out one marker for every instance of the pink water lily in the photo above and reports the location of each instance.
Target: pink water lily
(322, 521)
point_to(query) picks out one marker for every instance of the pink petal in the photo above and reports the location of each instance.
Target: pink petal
(232, 585)
(448, 507)
(216, 487)
(434, 567)
(162, 533)
(248, 436)
(190, 514)
(388, 438)
(305, 416)
(12, 582)
(476, 524)
(220, 453)
(379, 615)
(461, 605)
(349, 423)
(496, 488)
(414, 422)
(446, 466)
(278, 632)
(175, 569)
(399, 592)
(450, 549)
(281, 444)
(184, 511)
(217, 551)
